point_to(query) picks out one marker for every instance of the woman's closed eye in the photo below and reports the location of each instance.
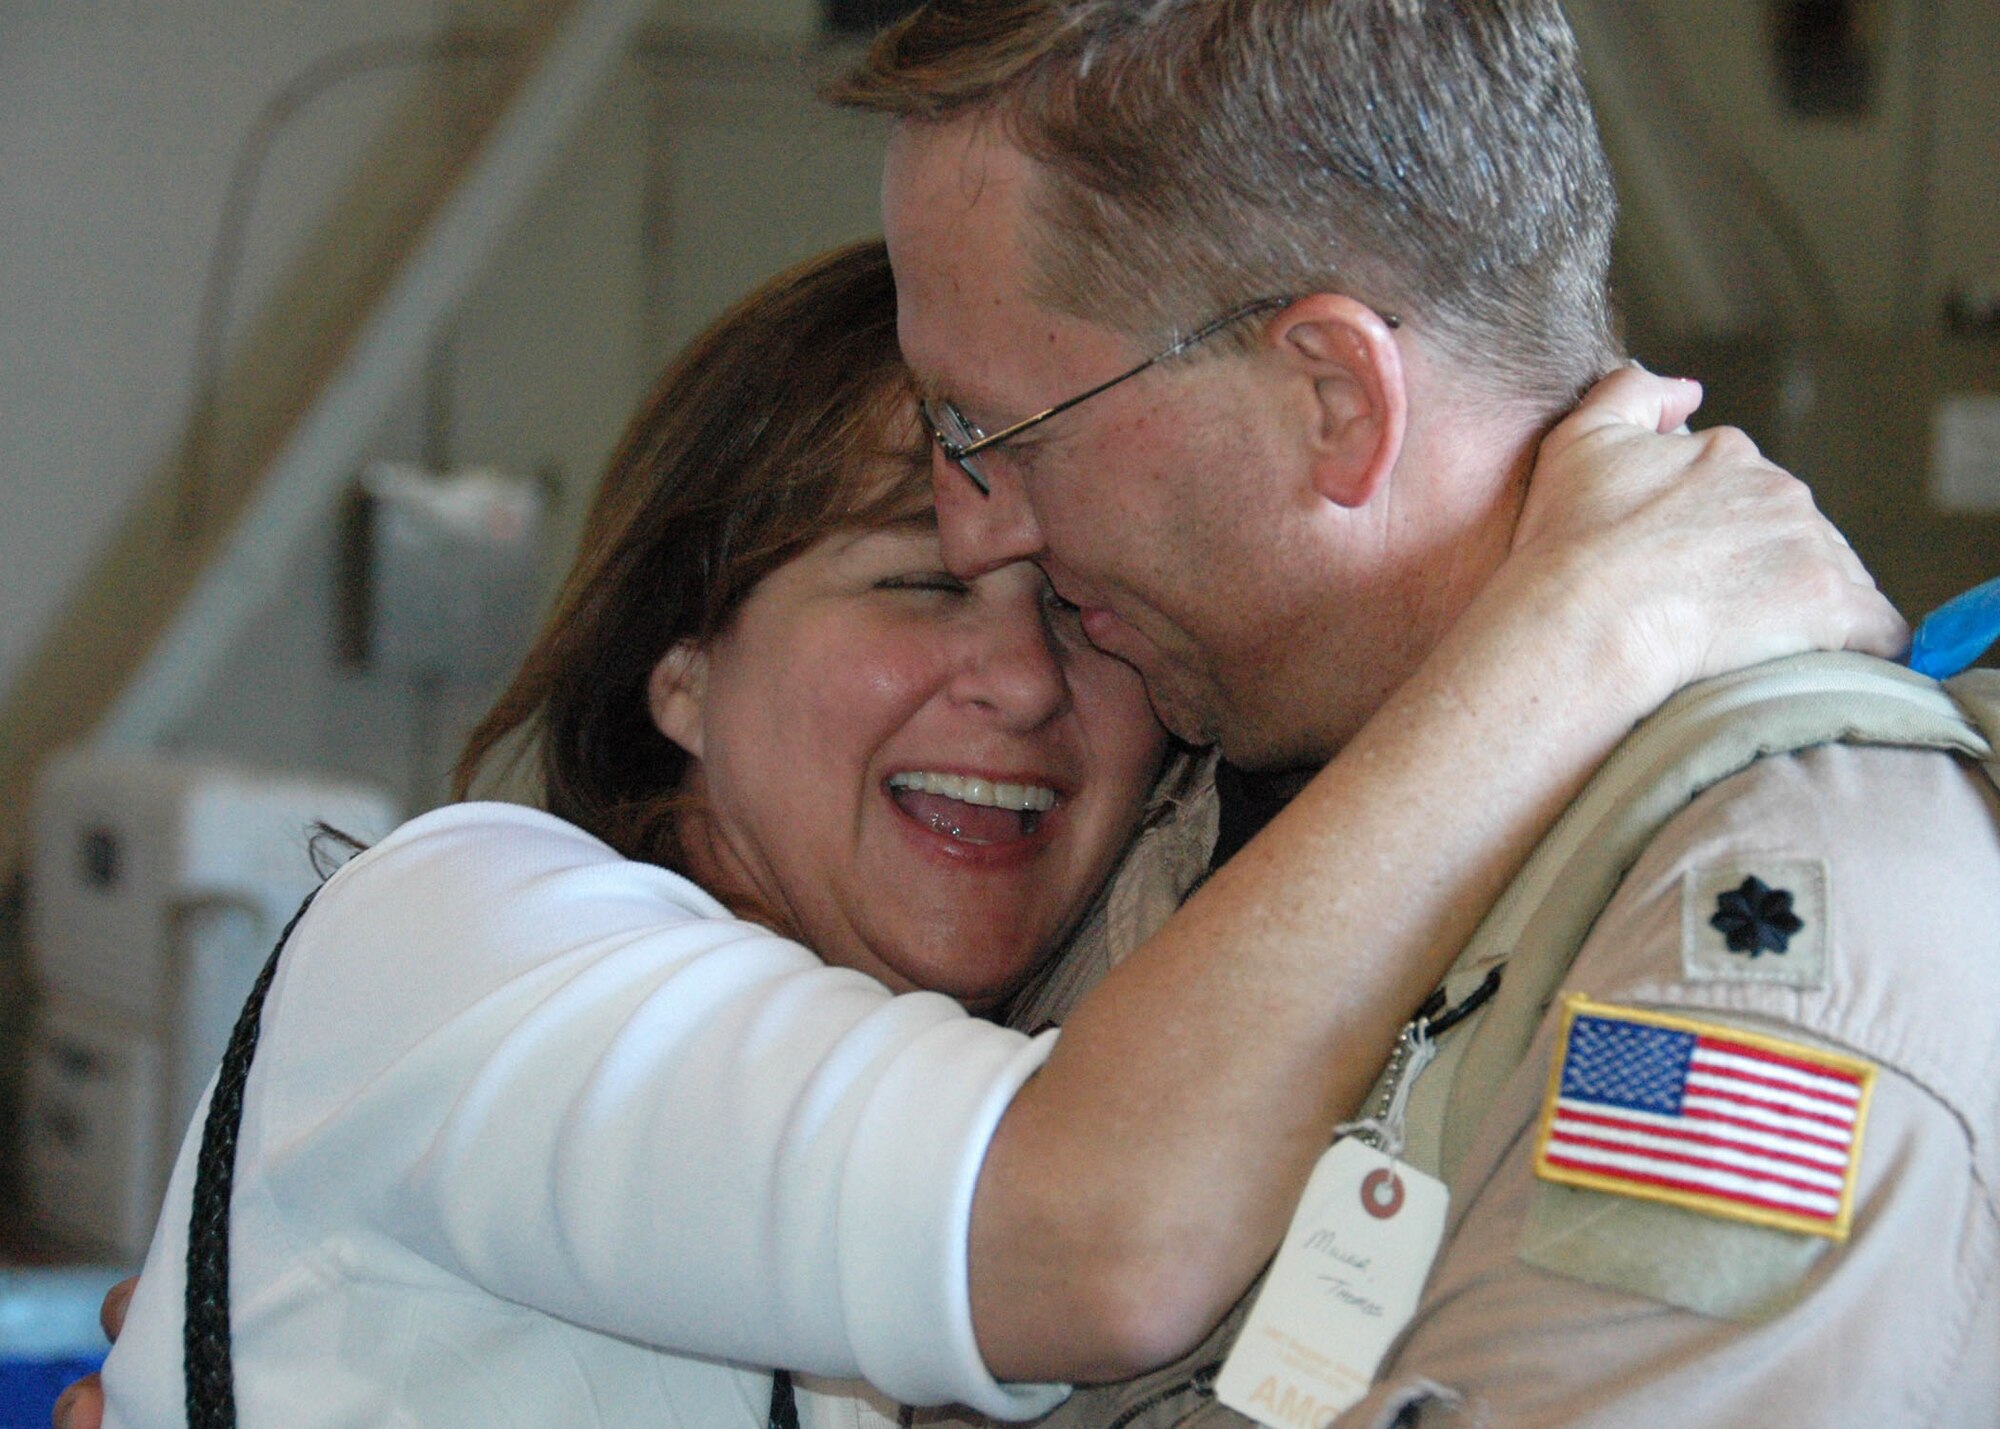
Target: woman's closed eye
(941, 582)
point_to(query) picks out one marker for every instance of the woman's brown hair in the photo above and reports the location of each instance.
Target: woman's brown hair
(789, 418)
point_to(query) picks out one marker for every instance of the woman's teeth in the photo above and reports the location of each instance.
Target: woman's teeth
(967, 790)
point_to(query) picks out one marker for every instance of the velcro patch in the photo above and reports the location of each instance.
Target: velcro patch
(1761, 921)
(1704, 1116)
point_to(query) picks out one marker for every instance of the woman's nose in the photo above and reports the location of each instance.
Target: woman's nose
(1013, 667)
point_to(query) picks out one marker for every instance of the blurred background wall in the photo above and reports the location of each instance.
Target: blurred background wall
(700, 166)
(1811, 225)
(199, 259)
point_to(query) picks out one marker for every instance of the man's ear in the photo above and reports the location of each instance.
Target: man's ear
(1359, 409)
(675, 691)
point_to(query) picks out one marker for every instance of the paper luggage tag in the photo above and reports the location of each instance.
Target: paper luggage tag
(1345, 1283)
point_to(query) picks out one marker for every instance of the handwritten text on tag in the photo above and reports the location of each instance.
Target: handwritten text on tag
(1345, 1282)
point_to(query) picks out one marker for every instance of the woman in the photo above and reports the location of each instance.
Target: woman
(542, 1132)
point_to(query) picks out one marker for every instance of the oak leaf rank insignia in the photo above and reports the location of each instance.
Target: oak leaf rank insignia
(1755, 918)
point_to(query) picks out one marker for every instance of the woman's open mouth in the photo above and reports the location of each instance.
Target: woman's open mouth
(970, 809)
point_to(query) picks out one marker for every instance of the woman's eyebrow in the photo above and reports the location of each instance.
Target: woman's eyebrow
(916, 523)
(912, 524)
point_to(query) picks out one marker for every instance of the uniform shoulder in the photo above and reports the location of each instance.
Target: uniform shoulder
(1848, 892)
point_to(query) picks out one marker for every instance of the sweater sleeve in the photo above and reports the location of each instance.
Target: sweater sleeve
(579, 1084)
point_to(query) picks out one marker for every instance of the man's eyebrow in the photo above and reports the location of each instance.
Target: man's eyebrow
(934, 392)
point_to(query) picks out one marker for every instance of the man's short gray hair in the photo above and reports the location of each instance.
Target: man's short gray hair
(1437, 159)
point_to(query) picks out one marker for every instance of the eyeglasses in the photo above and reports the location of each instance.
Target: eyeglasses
(960, 439)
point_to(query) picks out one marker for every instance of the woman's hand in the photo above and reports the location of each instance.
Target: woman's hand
(82, 1404)
(1693, 553)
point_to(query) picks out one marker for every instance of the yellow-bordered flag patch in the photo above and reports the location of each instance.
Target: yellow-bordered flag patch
(1699, 1115)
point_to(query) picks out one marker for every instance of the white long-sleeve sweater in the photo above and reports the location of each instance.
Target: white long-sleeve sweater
(537, 1136)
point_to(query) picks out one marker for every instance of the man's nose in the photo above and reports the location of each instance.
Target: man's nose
(983, 533)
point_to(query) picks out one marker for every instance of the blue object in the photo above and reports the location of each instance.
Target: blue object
(48, 1336)
(1957, 633)
(28, 1388)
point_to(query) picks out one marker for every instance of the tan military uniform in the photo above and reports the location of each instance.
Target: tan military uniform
(1551, 1305)
(1556, 1306)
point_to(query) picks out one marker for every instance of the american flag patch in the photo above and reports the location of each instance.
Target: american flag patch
(1717, 1120)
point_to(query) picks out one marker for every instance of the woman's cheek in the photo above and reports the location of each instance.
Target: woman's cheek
(893, 666)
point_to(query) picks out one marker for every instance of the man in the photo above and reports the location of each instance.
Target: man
(1368, 241)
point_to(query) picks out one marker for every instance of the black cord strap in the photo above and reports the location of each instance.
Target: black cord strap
(211, 1383)
(784, 1403)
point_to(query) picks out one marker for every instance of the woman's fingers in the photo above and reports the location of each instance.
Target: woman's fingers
(1703, 553)
(117, 1300)
(1632, 397)
(81, 1405)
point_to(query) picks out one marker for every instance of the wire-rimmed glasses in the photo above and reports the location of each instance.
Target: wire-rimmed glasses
(960, 438)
